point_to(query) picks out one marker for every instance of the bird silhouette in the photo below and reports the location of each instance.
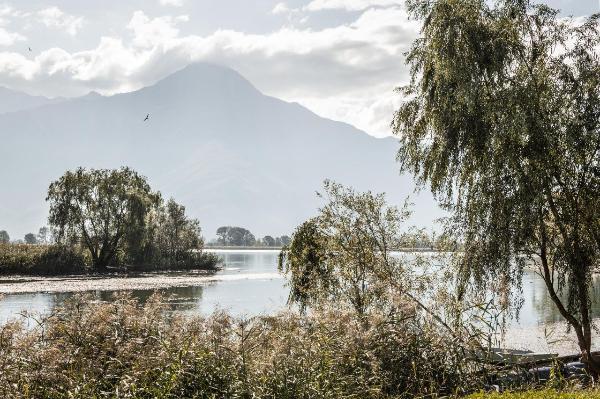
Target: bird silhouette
(30, 50)
(147, 117)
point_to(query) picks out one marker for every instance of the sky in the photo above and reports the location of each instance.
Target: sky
(340, 58)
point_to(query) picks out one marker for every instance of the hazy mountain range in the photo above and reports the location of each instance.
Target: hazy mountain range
(231, 154)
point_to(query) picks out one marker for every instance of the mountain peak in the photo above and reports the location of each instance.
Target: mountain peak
(206, 77)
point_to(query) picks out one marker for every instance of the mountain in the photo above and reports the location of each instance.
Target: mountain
(13, 101)
(231, 154)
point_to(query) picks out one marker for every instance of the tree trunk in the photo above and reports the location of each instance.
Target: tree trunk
(583, 328)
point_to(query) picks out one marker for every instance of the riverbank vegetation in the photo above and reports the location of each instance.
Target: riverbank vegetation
(24, 259)
(126, 350)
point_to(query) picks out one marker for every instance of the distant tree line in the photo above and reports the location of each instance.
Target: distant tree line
(44, 237)
(232, 236)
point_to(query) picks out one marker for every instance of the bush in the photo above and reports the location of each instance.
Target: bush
(41, 260)
(126, 350)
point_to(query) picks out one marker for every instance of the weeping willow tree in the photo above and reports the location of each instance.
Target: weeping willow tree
(343, 255)
(501, 120)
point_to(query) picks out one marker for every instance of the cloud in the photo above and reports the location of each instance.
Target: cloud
(173, 3)
(347, 72)
(54, 17)
(8, 11)
(9, 38)
(148, 32)
(349, 5)
(280, 8)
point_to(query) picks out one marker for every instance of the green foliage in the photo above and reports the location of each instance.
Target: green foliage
(124, 350)
(502, 121)
(4, 237)
(170, 241)
(305, 264)
(41, 260)
(268, 241)
(98, 208)
(30, 239)
(235, 236)
(344, 254)
(119, 220)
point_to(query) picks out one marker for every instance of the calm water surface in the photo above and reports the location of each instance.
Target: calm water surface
(241, 294)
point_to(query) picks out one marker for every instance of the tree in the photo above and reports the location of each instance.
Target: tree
(31, 239)
(98, 208)
(344, 254)
(268, 241)
(502, 121)
(44, 235)
(177, 235)
(285, 240)
(4, 237)
(222, 233)
(235, 236)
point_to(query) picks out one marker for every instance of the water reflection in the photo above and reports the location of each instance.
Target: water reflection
(251, 296)
(542, 307)
(243, 297)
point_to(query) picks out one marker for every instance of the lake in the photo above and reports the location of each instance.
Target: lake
(249, 284)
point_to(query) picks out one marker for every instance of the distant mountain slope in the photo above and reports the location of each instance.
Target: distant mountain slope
(232, 155)
(13, 101)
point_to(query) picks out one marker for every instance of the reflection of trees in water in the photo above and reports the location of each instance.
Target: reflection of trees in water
(546, 309)
(259, 261)
(178, 298)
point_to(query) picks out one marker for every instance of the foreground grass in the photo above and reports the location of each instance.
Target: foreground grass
(125, 350)
(541, 394)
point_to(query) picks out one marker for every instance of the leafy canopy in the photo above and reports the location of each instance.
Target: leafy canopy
(343, 255)
(98, 208)
(502, 121)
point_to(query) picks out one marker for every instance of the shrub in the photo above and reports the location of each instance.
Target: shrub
(41, 259)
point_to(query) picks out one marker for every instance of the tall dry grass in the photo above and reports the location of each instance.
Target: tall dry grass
(126, 350)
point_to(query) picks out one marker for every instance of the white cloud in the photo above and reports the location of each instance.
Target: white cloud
(350, 5)
(8, 11)
(173, 3)
(54, 17)
(150, 32)
(9, 38)
(280, 8)
(347, 72)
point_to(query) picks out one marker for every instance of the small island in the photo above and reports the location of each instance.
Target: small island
(107, 221)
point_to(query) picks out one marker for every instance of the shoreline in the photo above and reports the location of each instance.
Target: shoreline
(76, 284)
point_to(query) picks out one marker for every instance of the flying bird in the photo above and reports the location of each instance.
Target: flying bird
(30, 50)
(147, 117)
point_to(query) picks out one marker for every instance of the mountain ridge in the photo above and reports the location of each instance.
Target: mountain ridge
(215, 143)
(15, 101)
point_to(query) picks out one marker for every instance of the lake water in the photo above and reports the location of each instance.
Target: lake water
(249, 285)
